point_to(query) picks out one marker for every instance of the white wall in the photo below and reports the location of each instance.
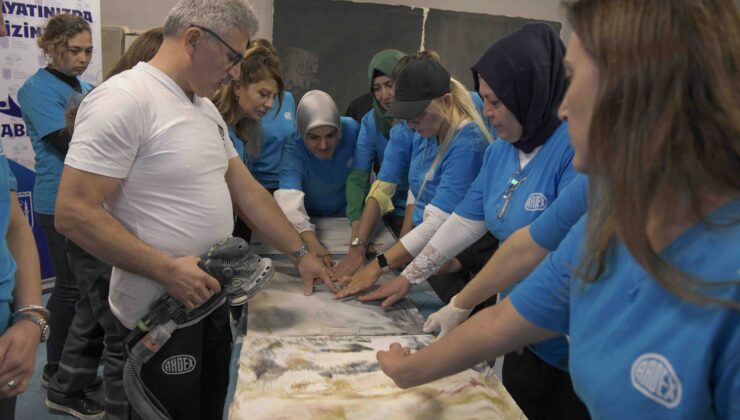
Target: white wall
(140, 15)
(145, 14)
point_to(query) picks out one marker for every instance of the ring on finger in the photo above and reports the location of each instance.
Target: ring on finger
(11, 383)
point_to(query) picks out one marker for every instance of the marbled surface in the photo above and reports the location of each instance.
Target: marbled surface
(335, 234)
(324, 377)
(282, 310)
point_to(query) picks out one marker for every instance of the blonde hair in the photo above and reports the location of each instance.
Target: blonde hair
(461, 109)
(665, 127)
(261, 62)
(59, 29)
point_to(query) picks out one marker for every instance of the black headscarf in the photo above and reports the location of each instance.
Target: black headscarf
(526, 72)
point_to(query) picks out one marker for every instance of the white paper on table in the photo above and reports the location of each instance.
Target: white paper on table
(325, 377)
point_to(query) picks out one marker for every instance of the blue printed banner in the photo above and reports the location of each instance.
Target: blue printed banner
(20, 57)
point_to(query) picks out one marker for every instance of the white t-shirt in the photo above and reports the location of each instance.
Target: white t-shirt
(171, 154)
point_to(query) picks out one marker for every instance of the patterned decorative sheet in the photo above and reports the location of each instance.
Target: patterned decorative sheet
(324, 377)
(282, 310)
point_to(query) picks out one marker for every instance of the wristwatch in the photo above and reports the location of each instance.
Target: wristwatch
(36, 319)
(303, 250)
(383, 263)
(357, 242)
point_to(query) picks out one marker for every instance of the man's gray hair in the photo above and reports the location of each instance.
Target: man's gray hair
(219, 16)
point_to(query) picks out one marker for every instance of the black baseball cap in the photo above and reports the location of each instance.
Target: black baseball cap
(417, 85)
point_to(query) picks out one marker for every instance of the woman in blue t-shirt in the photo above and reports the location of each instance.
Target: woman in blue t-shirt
(521, 176)
(387, 142)
(44, 99)
(23, 321)
(315, 166)
(646, 284)
(372, 140)
(245, 103)
(440, 110)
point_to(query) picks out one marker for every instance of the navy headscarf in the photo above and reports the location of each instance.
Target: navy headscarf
(525, 70)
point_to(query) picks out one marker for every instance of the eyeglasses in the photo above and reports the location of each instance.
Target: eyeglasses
(234, 56)
(514, 183)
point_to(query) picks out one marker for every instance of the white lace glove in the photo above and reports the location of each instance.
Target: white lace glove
(446, 318)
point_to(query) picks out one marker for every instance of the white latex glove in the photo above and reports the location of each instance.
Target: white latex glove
(446, 318)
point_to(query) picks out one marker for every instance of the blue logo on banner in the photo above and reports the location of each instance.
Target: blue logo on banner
(10, 108)
(24, 197)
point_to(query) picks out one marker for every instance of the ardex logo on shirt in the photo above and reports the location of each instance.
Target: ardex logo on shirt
(221, 132)
(288, 115)
(178, 365)
(653, 375)
(536, 202)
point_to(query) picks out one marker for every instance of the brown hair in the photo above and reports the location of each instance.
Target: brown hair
(144, 48)
(57, 33)
(665, 127)
(261, 62)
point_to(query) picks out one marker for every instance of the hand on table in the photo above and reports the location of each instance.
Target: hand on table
(352, 262)
(319, 251)
(391, 292)
(312, 269)
(391, 360)
(362, 280)
(447, 318)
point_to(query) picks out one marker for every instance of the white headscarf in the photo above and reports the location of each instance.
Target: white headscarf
(316, 109)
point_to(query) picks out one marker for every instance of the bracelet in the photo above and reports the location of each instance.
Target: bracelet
(302, 251)
(36, 319)
(33, 308)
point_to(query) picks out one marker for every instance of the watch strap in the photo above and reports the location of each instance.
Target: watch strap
(383, 263)
(357, 242)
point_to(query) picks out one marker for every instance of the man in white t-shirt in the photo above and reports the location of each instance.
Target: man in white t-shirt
(148, 184)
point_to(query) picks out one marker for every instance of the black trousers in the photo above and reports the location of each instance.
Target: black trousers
(194, 390)
(7, 408)
(542, 391)
(472, 260)
(63, 297)
(86, 343)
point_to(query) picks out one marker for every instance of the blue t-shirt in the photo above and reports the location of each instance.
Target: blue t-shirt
(371, 145)
(540, 183)
(278, 127)
(7, 263)
(452, 175)
(43, 99)
(322, 181)
(397, 158)
(636, 349)
(239, 146)
(550, 228)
